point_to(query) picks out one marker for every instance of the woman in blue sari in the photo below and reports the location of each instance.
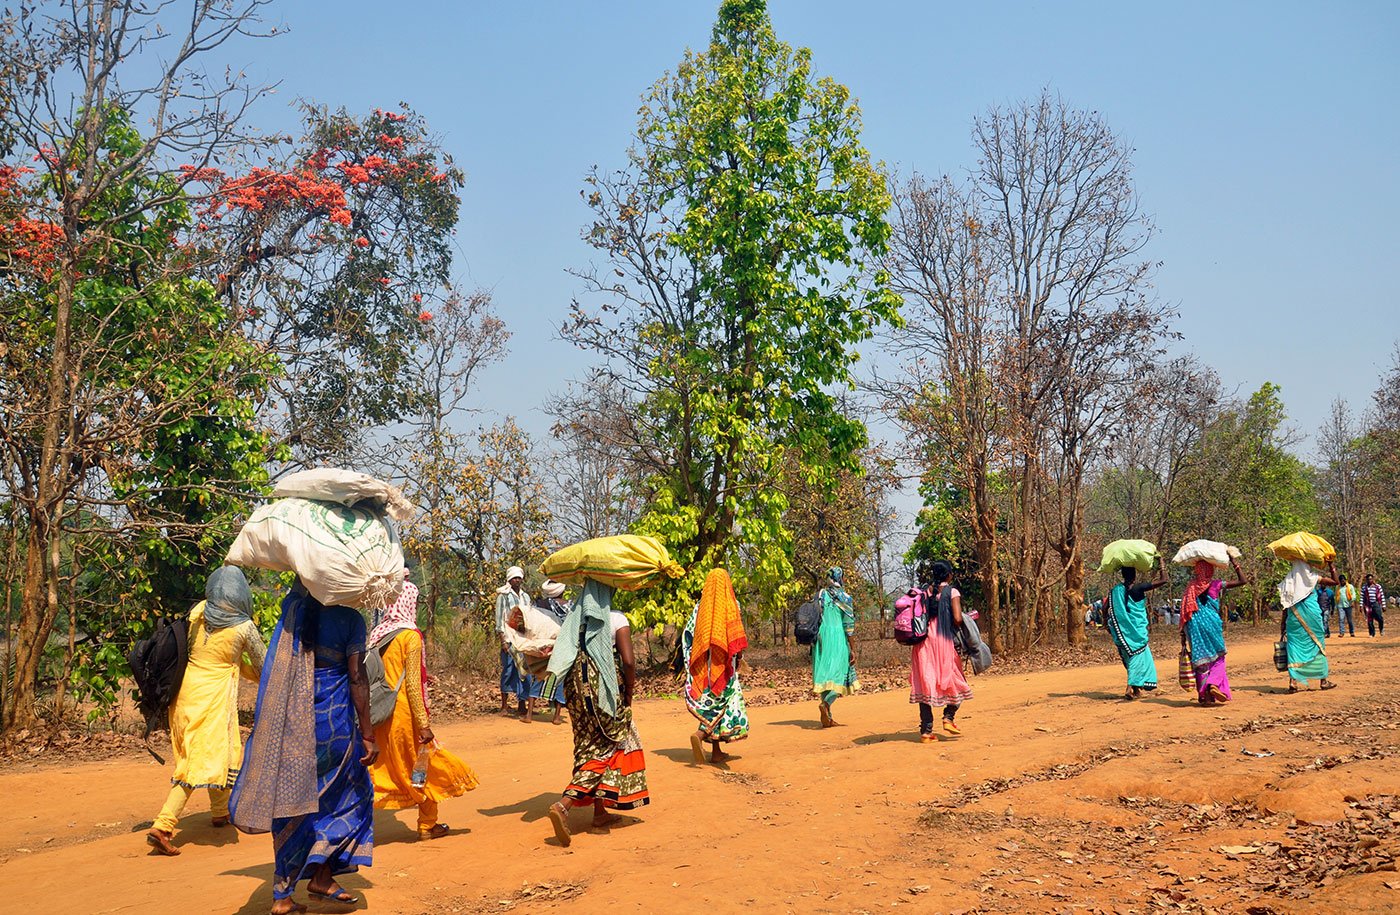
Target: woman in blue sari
(305, 775)
(1127, 626)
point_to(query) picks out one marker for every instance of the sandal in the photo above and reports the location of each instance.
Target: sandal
(159, 839)
(606, 821)
(218, 822)
(928, 736)
(436, 831)
(950, 728)
(334, 893)
(559, 817)
(1327, 684)
(1292, 686)
(697, 749)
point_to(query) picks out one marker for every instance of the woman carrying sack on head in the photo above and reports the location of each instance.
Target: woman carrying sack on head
(1301, 625)
(406, 738)
(1127, 626)
(593, 655)
(1203, 629)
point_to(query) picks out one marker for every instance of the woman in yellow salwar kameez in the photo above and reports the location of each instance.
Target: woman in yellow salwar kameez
(407, 733)
(223, 643)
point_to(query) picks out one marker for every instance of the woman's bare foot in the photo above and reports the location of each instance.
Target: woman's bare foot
(825, 710)
(559, 819)
(286, 906)
(717, 755)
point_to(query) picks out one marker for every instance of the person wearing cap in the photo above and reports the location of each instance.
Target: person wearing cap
(509, 596)
(551, 601)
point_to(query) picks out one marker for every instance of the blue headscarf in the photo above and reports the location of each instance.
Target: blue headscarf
(227, 599)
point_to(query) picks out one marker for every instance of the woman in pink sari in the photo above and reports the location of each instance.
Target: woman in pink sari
(1203, 629)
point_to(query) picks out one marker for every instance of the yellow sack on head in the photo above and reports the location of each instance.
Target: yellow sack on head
(626, 562)
(1306, 547)
(1122, 554)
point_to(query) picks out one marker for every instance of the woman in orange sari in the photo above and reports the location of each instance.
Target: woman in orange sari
(399, 783)
(712, 644)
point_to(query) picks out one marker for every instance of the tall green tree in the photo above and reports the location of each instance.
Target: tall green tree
(739, 238)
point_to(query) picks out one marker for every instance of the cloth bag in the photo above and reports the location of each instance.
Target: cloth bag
(1212, 551)
(626, 562)
(1122, 554)
(1281, 655)
(1185, 676)
(1304, 547)
(347, 487)
(344, 556)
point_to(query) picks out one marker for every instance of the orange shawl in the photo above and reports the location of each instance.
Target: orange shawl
(719, 636)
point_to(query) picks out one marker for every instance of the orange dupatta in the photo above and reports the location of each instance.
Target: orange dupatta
(719, 635)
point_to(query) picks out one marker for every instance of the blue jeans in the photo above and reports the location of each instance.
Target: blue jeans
(1344, 615)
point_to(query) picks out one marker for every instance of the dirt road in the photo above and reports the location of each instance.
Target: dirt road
(1057, 798)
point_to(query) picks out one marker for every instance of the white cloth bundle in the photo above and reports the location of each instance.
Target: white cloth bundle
(346, 556)
(1212, 551)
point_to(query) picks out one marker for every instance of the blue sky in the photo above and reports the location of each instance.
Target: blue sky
(1266, 138)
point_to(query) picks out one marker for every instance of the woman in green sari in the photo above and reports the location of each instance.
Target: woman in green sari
(834, 654)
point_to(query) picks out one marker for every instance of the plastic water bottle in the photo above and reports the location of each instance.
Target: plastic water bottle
(420, 767)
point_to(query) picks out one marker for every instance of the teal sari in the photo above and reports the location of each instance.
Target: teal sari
(833, 671)
(1127, 626)
(1307, 659)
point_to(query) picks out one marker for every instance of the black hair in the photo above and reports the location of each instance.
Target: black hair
(941, 572)
(1129, 575)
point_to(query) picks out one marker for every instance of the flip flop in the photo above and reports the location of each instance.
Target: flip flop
(218, 822)
(334, 893)
(1327, 684)
(561, 826)
(436, 831)
(697, 749)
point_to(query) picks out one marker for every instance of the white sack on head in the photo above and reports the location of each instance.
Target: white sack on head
(347, 487)
(344, 556)
(1212, 551)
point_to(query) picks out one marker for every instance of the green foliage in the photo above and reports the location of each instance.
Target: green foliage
(744, 231)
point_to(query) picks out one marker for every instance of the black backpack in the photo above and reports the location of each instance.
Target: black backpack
(158, 667)
(809, 620)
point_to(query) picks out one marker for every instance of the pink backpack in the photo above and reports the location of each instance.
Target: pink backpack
(910, 619)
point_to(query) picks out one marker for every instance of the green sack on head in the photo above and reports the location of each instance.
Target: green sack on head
(1122, 554)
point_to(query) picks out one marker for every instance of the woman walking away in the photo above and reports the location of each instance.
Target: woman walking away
(936, 675)
(412, 771)
(834, 654)
(305, 777)
(1301, 625)
(1203, 629)
(223, 643)
(712, 644)
(594, 646)
(1127, 626)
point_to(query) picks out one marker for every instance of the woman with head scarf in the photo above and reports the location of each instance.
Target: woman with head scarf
(1203, 630)
(305, 776)
(1127, 626)
(593, 656)
(712, 644)
(834, 654)
(936, 674)
(1301, 626)
(406, 734)
(223, 643)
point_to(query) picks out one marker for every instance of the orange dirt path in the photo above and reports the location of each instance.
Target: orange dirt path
(1057, 798)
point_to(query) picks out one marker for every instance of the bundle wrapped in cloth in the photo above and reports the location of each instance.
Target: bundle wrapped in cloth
(1305, 547)
(346, 487)
(1212, 551)
(627, 562)
(1123, 554)
(531, 634)
(344, 555)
